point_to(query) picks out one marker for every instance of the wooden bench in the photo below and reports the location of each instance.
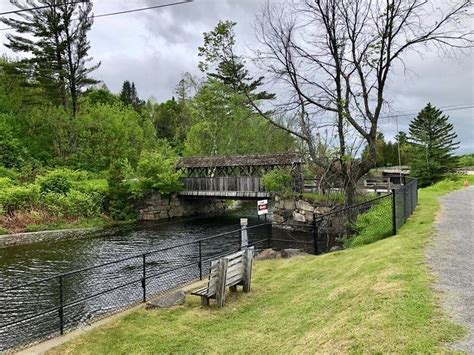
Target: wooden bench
(229, 271)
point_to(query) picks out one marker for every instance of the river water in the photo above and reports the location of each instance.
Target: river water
(86, 294)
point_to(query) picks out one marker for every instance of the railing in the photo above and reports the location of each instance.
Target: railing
(223, 183)
(51, 306)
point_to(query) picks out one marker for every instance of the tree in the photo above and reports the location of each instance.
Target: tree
(434, 140)
(129, 96)
(220, 62)
(222, 124)
(333, 60)
(55, 35)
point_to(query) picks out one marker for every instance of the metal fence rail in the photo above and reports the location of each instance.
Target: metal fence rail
(42, 309)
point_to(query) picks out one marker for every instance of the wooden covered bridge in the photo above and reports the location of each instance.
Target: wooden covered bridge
(236, 177)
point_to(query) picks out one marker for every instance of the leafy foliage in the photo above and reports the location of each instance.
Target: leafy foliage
(157, 170)
(466, 160)
(57, 181)
(277, 180)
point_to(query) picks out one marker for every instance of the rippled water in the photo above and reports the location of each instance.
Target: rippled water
(24, 264)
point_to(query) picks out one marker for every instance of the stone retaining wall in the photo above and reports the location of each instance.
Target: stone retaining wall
(156, 207)
(294, 210)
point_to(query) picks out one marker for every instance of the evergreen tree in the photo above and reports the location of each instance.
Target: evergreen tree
(129, 96)
(56, 38)
(221, 63)
(126, 93)
(433, 140)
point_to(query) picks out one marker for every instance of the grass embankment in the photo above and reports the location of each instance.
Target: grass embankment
(374, 298)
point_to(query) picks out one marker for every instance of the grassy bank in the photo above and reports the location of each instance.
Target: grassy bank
(374, 298)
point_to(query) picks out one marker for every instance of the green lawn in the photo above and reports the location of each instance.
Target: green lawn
(374, 298)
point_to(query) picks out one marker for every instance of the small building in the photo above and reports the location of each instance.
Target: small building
(396, 174)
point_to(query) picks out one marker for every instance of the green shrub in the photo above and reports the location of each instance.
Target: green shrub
(157, 170)
(277, 181)
(6, 182)
(56, 181)
(120, 199)
(19, 197)
(373, 225)
(74, 204)
(8, 173)
(92, 186)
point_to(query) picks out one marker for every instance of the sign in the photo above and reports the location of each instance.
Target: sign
(262, 207)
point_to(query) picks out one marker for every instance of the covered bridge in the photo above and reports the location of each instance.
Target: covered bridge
(237, 176)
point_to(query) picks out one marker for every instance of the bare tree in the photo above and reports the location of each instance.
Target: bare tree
(334, 59)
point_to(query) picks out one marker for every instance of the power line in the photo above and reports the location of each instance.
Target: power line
(38, 8)
(126, 11)
(415, 113)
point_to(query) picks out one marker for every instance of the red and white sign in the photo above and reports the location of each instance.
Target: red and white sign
(262, 207)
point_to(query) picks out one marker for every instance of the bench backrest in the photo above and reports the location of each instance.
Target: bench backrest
(234, 269)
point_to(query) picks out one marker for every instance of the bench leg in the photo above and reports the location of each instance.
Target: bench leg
(233, 288)
(204, 301)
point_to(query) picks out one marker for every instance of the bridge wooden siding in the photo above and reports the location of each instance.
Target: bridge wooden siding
(235, 176)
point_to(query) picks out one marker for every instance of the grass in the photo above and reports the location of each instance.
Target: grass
(376, 298)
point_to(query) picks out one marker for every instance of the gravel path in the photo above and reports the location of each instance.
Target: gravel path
(451, 256)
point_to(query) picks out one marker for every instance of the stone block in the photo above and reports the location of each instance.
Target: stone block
(304, 206)
(267, 254)
(299, 217)
(290, 253)
(276, 218)
(289, 204)
(167, 301)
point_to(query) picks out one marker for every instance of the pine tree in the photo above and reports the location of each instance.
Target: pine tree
(433, 139)
(222, 63)
(129, 96)
(126, 93)
(56, 38)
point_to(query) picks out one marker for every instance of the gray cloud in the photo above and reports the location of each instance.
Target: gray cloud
(154, 48)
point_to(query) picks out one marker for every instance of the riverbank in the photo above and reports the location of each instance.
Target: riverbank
(374, 298)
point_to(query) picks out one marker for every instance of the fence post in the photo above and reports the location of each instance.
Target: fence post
(61, 306)
(394, 213)
(243, 233)
(144, 277)
(269, 234)
(315, 235)
(200, 261)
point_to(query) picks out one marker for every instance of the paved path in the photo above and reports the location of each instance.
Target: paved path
(451, 256)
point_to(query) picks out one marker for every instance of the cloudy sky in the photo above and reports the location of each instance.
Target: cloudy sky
(154, 48)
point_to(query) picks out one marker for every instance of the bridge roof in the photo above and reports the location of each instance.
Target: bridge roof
(242, 160)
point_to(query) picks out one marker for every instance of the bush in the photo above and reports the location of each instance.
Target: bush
(373, 225)
(92, 186)
(120, 198)
(19, 197)
(56, 183)
(277, 181)
(157, 170)
(74, 204)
